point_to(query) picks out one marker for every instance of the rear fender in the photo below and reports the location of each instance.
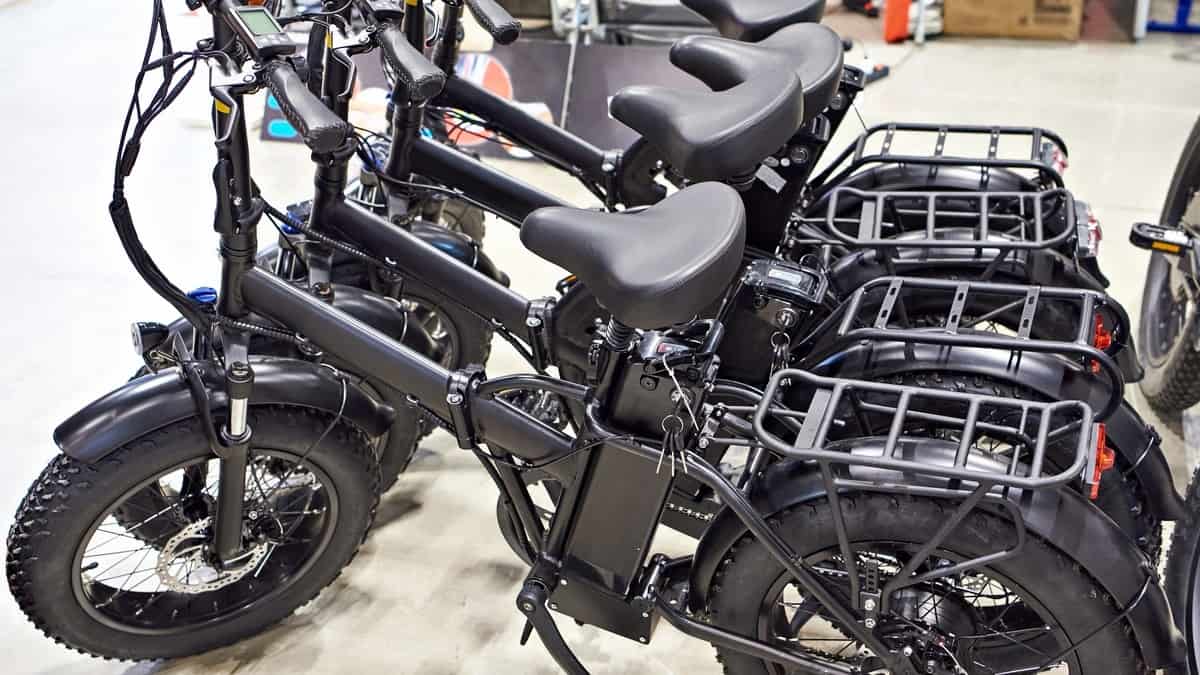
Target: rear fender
(1051, 377)
(152, 402)
(904, 177)
(1060, 517)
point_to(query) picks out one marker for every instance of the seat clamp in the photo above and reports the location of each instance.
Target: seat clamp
(537, 320)
(611, 166)
(459, 389)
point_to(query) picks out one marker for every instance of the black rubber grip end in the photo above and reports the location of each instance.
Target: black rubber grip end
(321, 129)
(496, 20)
(416, 74)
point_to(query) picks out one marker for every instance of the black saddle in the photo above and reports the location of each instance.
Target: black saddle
(753, 20)
(653, 268)
(717, 135)
(812, 50)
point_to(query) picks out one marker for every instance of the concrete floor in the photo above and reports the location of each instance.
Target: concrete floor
(432, 591)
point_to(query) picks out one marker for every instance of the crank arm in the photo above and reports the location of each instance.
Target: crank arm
(532, 603)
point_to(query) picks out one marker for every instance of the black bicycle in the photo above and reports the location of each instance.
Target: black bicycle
(1168, 322)
(1168, 334)
(888, 552)
(997, 233)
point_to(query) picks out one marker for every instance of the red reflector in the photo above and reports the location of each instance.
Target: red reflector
(1059, 161)
(1105, 458)
(1102, 338)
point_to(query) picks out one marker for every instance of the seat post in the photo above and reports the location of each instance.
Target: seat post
(618, 337)
(608, 356)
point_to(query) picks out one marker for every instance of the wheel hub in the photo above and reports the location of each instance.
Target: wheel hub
(184, 565)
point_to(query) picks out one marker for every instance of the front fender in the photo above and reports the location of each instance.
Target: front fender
(1051, 377)
(155, 401)
(1061, 517)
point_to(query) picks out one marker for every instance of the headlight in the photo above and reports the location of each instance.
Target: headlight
(147, 336)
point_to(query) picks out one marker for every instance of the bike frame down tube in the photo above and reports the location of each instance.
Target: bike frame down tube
(367, 350)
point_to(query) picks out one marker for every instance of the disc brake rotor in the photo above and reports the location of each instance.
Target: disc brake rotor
(184, 568)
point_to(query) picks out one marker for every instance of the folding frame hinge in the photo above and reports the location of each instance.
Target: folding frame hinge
(459, 389)
(537, 320)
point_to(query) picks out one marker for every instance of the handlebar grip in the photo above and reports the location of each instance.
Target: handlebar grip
(422, 79)
(322, 130)
(495, 20)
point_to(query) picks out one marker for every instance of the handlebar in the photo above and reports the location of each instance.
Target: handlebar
(416, 74)
(320, 128)
(496, 20)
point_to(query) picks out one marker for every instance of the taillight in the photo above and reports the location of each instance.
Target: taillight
(1105, 459)
(1088, 232)
(1095, 233)
(1102, 339)
(1059, 161)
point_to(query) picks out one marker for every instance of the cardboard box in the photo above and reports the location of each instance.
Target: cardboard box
(1043, 19)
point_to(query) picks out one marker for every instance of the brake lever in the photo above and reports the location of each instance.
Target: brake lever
(221, 94)
(351, 69)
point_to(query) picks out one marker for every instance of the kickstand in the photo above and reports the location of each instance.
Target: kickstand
(532, 603)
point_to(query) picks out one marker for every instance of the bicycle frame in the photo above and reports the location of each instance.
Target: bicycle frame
(467, 404)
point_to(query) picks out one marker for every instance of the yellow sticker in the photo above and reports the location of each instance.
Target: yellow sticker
(411, 3)
(1163, 246)
(329, 39)
(222, 108)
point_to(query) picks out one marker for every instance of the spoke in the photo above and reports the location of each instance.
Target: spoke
(162, 511)
(125, 575)
(117, 534)
(1023, 645)
(101, 555)
(96, 577)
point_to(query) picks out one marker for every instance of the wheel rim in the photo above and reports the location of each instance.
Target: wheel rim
(1166, 309)
(442, 331)
(980, 622)
(170, 585)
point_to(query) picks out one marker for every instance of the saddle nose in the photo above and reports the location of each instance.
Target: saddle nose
(812, 51)
(716, 135)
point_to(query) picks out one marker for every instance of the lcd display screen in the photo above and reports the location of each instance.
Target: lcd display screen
(260, 21)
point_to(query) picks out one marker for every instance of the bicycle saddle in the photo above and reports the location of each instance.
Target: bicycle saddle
(812, 50)
(717, 135)
(753, 20)
(653, 268)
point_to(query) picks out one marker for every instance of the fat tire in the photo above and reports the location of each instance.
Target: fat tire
(69, 495)
(1179, 557)
(747, 572)
(1174, 385)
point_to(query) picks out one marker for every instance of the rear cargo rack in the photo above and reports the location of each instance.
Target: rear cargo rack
(1041, 155)
(1025, 428)
(976, 221)
(878, 312)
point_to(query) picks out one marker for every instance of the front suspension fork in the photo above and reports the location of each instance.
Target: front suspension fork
(233, 456)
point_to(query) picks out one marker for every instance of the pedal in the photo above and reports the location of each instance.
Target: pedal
(532, 603)
(1158, 238)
